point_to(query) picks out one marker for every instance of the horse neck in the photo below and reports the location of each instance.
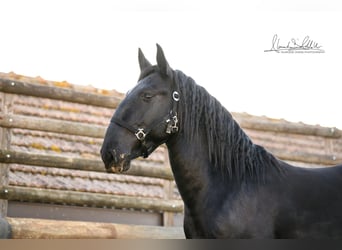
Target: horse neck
(196, 172)
(211, 149)
(189, 163)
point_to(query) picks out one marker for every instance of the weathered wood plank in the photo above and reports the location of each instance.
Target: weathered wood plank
(138, 168)
(287, 127)
(320, 159)
(57, 93)
(25, 228)
(8, 156)
(52, 125)
(89, 199)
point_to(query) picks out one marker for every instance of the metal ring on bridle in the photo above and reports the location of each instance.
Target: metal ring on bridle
(140, 134)
(175, 96)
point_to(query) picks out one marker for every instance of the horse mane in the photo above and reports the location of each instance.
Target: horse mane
(230, 150)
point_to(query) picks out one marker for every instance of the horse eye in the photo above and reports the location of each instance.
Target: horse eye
(147, 96)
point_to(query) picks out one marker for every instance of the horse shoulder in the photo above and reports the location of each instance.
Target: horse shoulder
(249, 214)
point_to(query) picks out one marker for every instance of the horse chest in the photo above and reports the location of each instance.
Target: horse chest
(238, 215)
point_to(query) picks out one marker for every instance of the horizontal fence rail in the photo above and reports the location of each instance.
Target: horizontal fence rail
(138, 168)
(14, 193)
(320, 159)
(69, 95)
(26, 228)
(52, 125)
(290, 128)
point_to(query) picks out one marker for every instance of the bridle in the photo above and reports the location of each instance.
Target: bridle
(171, 120)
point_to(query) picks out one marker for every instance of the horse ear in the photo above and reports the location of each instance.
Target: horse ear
(163, 65)
(143, 62)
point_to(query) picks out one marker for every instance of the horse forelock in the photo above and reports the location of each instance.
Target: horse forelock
(230, 150)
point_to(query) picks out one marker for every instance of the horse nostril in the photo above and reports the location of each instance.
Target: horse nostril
(115, 157)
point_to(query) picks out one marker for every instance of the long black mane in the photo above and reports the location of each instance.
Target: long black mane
(231, 151)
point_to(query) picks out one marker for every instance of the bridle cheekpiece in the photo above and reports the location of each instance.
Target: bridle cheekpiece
(170, 119)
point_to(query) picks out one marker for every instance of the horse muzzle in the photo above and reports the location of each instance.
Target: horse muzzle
(119, 162)
(117, 169)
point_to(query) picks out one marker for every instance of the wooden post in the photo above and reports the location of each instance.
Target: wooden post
(168, 217)
(6, 105)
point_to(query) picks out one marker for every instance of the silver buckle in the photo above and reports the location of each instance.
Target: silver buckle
(140, 134)
(172, 126)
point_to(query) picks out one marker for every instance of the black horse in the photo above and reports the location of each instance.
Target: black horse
(231, 187)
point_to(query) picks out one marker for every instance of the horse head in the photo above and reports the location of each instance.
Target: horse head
(145, 118)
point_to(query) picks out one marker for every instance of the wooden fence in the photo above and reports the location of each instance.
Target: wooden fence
(37, 228)
(27, 228)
